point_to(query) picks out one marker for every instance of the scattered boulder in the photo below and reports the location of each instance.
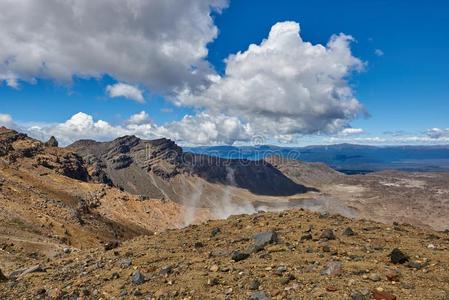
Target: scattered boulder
(333, 268)
(111, 245)
(414, 265)
(392, 275)
(198, 245)
(137, 277)
(2, 277)
(167, 270)
(262, 239)
(374, 277)
(126, 263)
(259, 295)
(52, 142)
(213, 281)
(348, 232)
(25, 271)
(381, 295)
(215, 231)
(327, 234)
(238, 256)
(398, 257)
(254, 284)
(357, 296)
(307, 237)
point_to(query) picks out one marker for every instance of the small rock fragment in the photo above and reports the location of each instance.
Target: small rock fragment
(2, 277)
(137, 277)
(348, 232)
(398, 257)
(259, 295)
(357, 296)
(215, 231)
(165, 271)
(262, 239)
(214, 268)
(307, 237)
(238, 256)
(332, 269)
(111, 245)
(327, 234)
(254, 285)
(213, 281)
(125, 263)
(392, 275)
(381, 295)
(374, 277)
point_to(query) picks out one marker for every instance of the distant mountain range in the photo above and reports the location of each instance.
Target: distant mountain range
(347, 158)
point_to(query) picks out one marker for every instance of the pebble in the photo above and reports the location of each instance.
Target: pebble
(238, 256)
(327, 234)
(165, 271)
(307, 237)
(398, 257)
(381, 295)
(259, 295)
(215, 231)
(2, 277)
(214, 268)
(348, 232)
(254, 284)
(213, 281)
(137, 277)
(374, 277)
(332, 269)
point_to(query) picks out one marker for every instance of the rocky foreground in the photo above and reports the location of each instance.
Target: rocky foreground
(289, 255)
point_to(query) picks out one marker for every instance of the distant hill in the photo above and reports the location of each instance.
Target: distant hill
(347, 158)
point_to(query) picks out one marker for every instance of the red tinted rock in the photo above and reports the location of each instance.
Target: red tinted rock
(383, 295)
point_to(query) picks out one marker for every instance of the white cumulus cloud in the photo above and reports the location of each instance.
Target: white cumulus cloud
(438, 133)
(201, 129)
(352, 131)
(125, 90)
(6, 120)
(379, 52)
(285, 85)
(160, 44)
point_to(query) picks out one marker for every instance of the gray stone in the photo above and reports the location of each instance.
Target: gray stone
(262, 239)
(348, 232)
(254, 284)
(137, 277)
(332, 269)
(259, 295)
(167, 270)
(238, 256)
(327, 234)
(126, 263)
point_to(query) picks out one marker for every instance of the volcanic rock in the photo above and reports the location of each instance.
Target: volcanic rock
(327, 234)
(398, 257)
(2, 276)
(137, 277)
(238, 256)
(348, 232)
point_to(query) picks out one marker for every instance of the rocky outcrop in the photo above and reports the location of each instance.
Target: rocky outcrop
(149, 168)
(15, 147)
(52, 142)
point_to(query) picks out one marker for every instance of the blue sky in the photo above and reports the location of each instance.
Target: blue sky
(404, 85)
